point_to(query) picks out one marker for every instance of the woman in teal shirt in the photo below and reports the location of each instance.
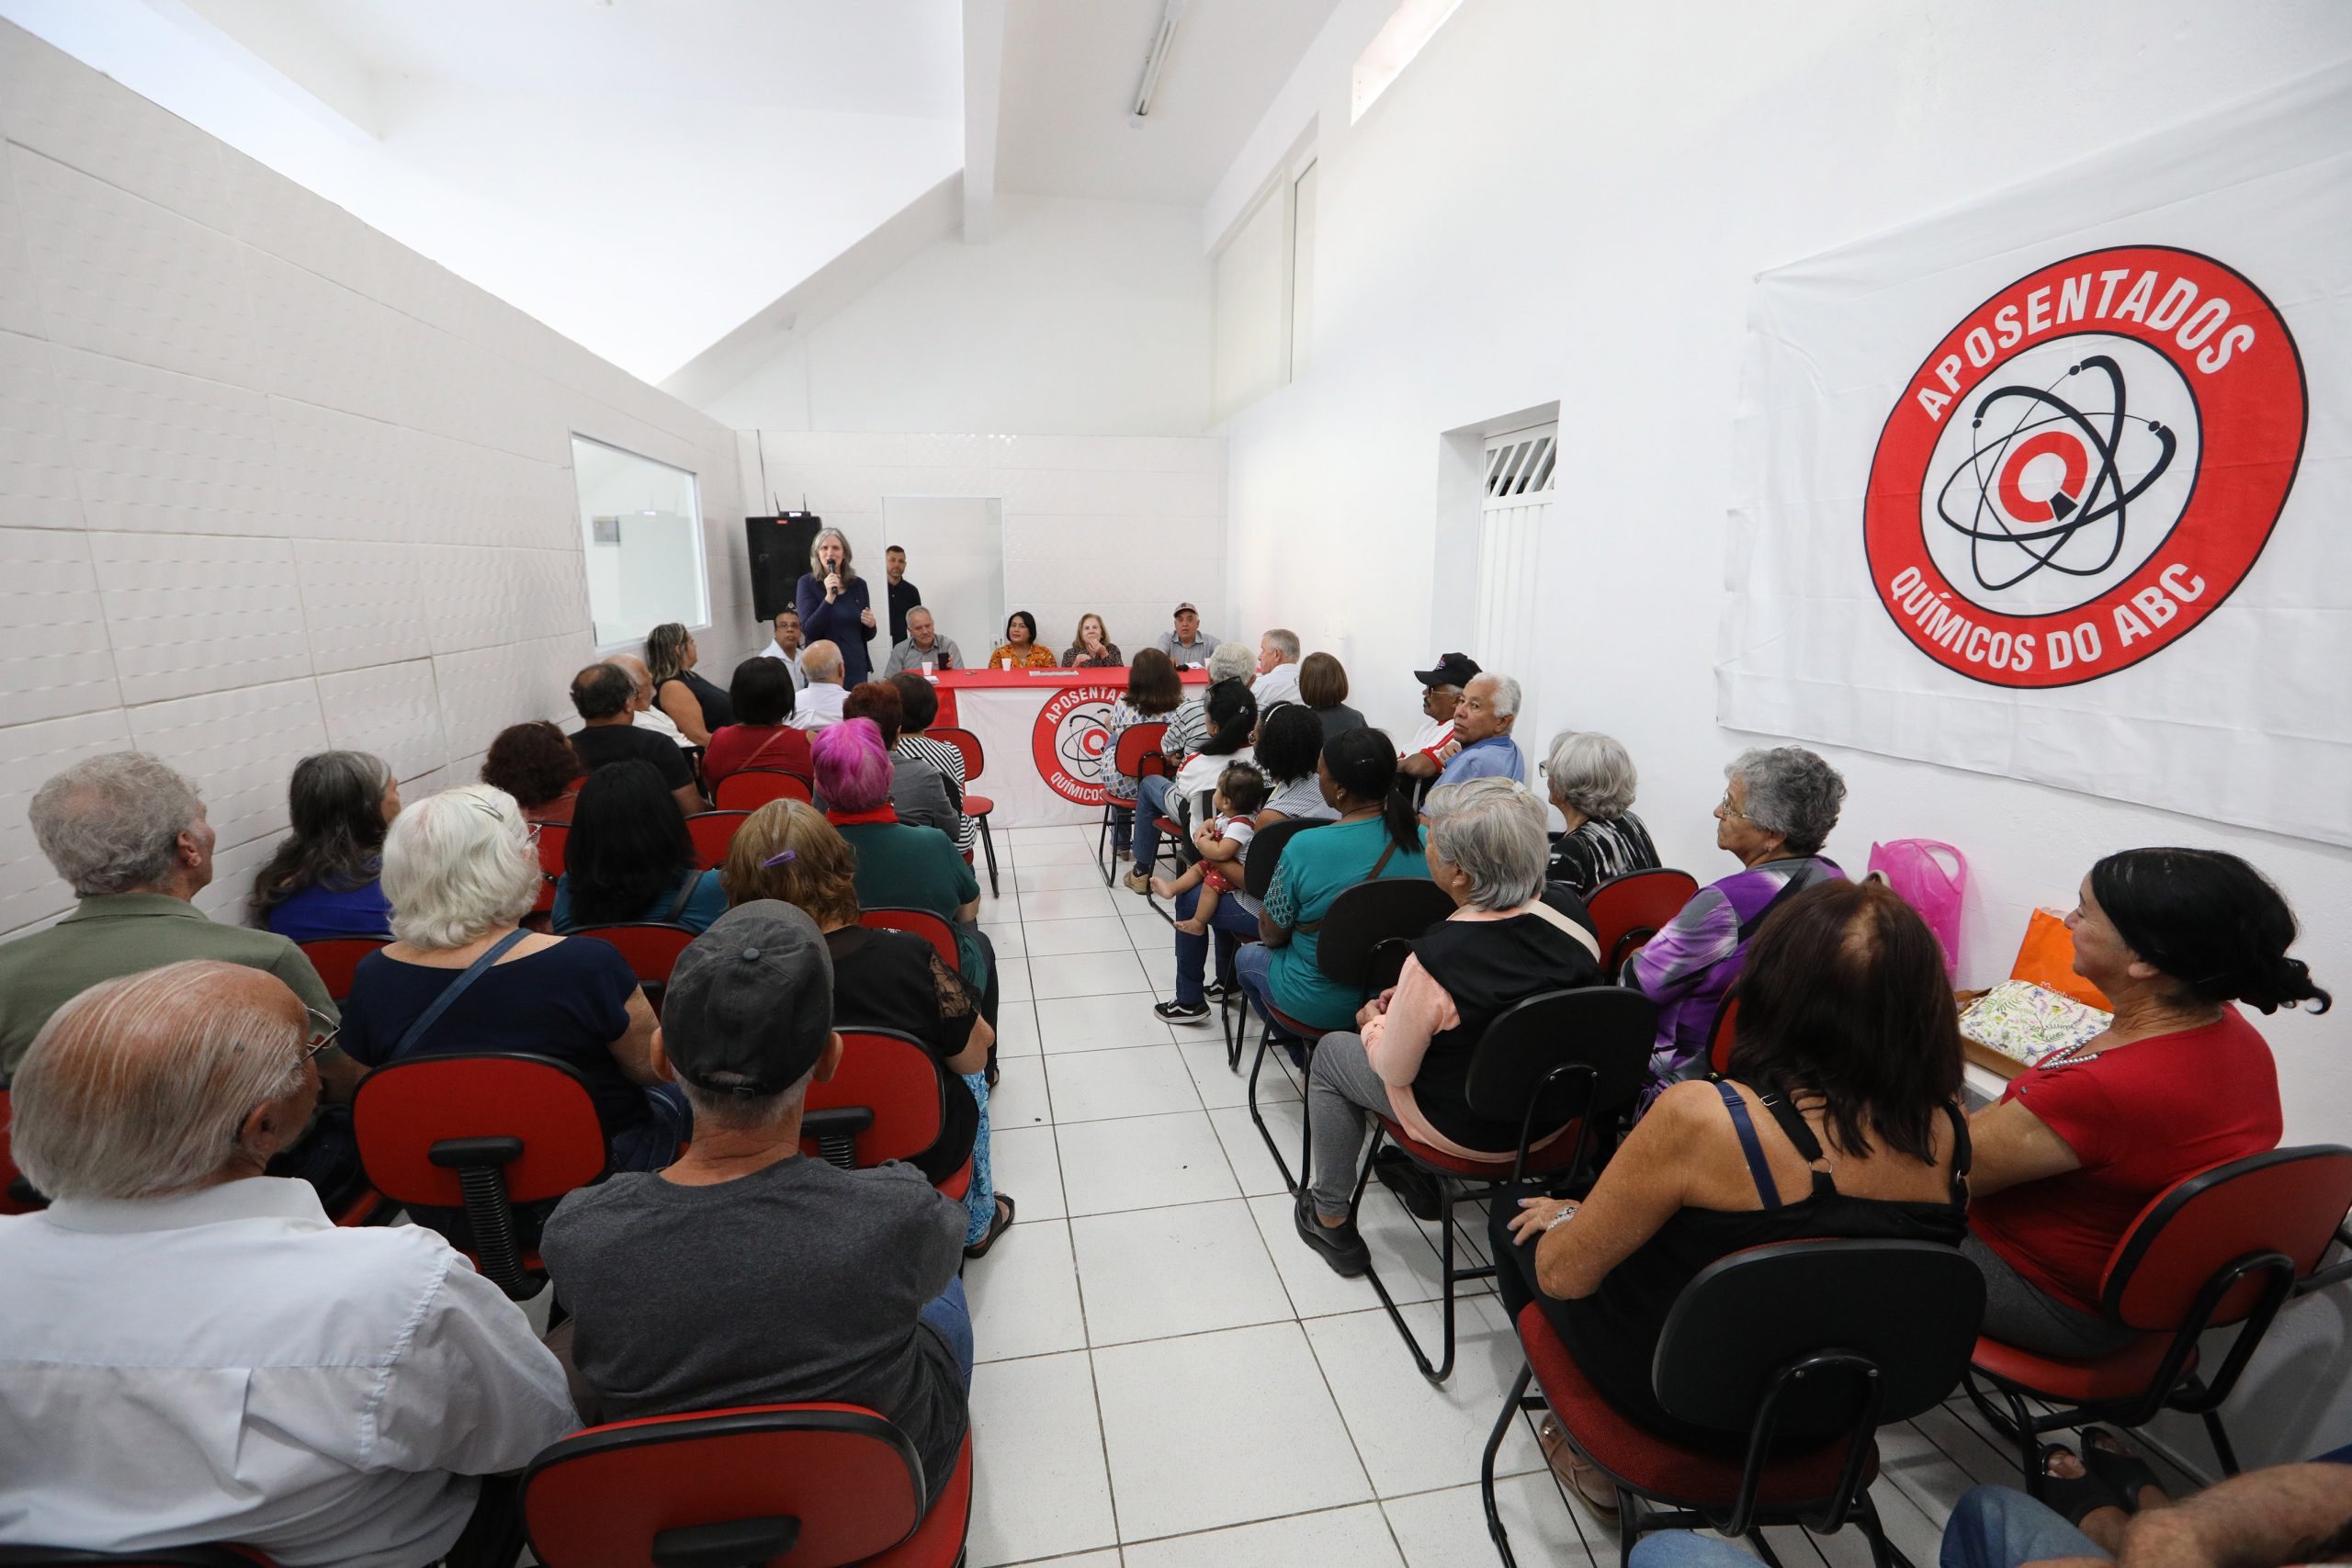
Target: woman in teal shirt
(1377, 836)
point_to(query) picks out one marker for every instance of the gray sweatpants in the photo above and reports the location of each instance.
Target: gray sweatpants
(1343, 1095)
(2017, 1311)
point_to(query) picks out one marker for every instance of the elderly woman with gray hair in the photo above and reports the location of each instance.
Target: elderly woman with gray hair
(462, 869)
(1509, 937)
(1776, 814)
(1591, 781)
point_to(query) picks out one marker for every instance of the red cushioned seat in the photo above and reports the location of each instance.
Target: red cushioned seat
(1557, 1154)
(2120, 1376)
(977, 804)
(1652, 1465)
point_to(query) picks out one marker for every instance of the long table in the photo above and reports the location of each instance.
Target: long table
(1042, 734)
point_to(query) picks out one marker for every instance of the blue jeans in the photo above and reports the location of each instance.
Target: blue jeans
(1253, 967)
(979, 1198)
(1231, 920)
(952, 1315)
(1151, 803)
(1994, 1527)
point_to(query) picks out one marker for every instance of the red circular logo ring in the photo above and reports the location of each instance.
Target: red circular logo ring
(2086, 466)
(1069, 741)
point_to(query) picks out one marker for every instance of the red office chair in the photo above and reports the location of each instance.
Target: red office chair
(482, 1133)
(789, 1485)
(552, 838)
(336, 958)
(1724, 1033)
(886, 1102)
(712, 831)
(1137, 757)
(1552, 1063)
(1367, 935)
(18, 1196)
(161, 1557)
(1793, 1337)
(650, 947)
(1628, 910)
(2227, 1244)
(976, 807)
(748, 789)
(923, 924)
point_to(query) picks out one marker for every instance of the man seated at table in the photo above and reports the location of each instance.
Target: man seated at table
(1188, 645)
(925, 646)
(194, 1353)
(820, 704)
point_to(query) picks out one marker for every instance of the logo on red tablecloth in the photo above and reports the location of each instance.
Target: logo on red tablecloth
(1070, 741)
(2086, 466)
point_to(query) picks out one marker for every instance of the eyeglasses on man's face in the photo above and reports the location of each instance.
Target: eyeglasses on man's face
(327, 1028)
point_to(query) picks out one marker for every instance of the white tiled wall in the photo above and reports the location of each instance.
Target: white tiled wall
(271, 483)
(1074, 506)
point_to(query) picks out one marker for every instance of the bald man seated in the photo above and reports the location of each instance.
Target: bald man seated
(820, 704)
(194, 1352)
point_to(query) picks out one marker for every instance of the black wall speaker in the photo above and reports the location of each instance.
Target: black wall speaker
(778, 547)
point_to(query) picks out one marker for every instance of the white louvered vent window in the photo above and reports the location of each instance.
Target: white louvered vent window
(1518, 466)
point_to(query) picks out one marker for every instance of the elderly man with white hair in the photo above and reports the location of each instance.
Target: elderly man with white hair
(1277, 678)
(1188, 727)
(820, 704)
(129, 834)
(1482, 746)
(195, 1352)
(1509, 937)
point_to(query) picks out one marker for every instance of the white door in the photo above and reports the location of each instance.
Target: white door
(955, 546)
(1515, 513)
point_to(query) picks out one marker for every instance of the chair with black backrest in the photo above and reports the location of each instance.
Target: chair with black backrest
(1257, 864)
(712, 831)
(1630, 909)
(921, 923)
(886, 1102)
(1367, 934)
(976, 807)
(1138, 758)
(748, 789)
(650, 947)
(2227, 1245)
(1824, 1340)
(18, 1196)
(551, 837)
(1550, 1064)
(336, 958)
(795, 1485)
(161, 1557)
(481, 1133)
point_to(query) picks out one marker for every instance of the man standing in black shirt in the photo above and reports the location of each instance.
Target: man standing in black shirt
(904, 595)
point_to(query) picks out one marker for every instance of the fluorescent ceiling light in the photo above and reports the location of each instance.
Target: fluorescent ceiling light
(1411, 26)
(1161, 39)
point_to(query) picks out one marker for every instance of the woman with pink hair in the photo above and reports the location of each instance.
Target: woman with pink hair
(900, 865)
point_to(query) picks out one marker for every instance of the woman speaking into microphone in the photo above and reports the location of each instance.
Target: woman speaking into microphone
(834, 605)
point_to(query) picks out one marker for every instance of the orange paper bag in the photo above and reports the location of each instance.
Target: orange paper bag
(2047, 958)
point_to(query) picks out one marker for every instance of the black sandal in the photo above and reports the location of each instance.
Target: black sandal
(997, 1227)
(2075, 1497)
(2125, 1472)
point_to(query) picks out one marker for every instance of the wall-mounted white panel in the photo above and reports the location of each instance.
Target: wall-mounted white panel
(341, 477)
(317, 342)
(486, 688)
(50, 101)
(240, 747)
(159, 452)
(19, 300)
(36, 464)
(53, 655)
(364, 604)
(272, 213)
(189, 612)
(30, 893)
(123, 277)
(391, 710)
(234, 866)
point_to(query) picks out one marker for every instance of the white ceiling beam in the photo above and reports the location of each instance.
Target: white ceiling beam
(983, 94)
(283, 49)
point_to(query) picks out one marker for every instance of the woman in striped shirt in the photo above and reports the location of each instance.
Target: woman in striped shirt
(919, 706)
(1591, 781)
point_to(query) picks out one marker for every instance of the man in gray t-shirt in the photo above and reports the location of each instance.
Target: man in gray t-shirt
(748, 1273)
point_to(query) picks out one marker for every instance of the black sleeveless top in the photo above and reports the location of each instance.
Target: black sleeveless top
(1488, 967)
(718, 707)
(1613, 1333)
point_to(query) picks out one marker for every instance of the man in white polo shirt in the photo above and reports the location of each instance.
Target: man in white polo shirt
(1277, 678)
(195, 1352)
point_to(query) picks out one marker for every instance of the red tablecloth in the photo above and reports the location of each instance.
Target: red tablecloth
(1042, 737)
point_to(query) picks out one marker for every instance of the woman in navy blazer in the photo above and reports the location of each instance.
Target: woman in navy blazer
(834, 605)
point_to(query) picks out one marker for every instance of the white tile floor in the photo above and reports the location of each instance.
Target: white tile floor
(1169, 1379)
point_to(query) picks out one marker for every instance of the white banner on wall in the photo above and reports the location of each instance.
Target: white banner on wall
(2057, 485)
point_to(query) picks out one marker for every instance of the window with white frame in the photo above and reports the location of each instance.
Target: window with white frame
(640, 524)
(1263, 284)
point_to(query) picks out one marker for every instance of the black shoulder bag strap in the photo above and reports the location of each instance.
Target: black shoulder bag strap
(455, 989)
(685, 896)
